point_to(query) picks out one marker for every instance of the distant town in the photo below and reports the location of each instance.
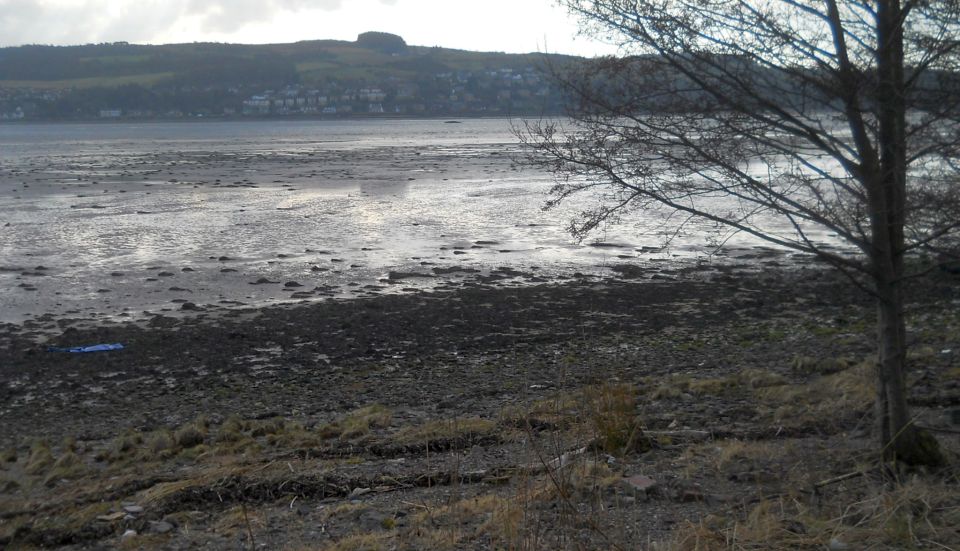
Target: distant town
(378, 78)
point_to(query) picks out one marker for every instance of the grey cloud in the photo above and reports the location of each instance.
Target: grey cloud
(37, 22)
(43, 22)
(229, 16)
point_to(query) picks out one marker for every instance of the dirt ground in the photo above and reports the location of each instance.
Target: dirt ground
(712, 409)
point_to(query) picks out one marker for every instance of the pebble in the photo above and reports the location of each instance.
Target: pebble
(837, 545)
(640, 483)
(133, 509)
(129, 534)
(160, 527)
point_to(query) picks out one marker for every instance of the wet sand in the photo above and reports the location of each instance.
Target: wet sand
(113, 229)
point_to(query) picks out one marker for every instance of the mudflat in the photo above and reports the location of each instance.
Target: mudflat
(595, 412)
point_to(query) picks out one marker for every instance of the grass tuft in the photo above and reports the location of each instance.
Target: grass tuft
(610, 410)
(69, 466)
(40, 458)
(357, 423)
(190, 435)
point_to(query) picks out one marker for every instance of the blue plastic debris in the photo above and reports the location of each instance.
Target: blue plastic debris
(85, 349)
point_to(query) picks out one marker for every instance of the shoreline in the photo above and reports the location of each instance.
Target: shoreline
(362, 416)
(451, 118)
(426, 278)
(201, 351)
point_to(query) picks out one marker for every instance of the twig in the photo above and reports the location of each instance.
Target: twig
(417, 505)
(837, 479)
(246, 520)
(945, 431)
(940, 545)
(562, 462)
(258, 469)
(693, 435)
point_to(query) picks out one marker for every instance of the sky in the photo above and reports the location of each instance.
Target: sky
(514, 26)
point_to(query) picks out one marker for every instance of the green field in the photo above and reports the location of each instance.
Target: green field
(91, 82)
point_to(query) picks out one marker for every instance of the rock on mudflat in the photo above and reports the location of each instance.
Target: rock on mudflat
(395, 276)
(640, 483)
(159, 527)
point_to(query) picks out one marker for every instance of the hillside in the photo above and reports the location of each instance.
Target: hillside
(376, 74)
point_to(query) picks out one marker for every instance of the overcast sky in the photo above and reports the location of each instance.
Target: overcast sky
(517, 26)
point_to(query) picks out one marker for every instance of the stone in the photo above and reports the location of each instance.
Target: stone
(291, 284)
(640, 483)
(394, 276)
(357, 492)
(159, 527)
(133, 509)
(837, 545)
(129, 534)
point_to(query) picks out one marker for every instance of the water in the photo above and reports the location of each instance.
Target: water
(216, 206)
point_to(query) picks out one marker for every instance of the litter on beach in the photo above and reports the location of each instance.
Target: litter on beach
(85, 349)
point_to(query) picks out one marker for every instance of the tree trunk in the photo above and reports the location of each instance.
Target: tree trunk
(900, 439)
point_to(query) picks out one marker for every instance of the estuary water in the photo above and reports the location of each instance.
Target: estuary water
(100, 220)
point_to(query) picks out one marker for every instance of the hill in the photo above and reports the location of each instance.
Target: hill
(376, 74)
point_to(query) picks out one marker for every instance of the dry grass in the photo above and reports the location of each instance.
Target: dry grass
(605, 415)
(190, 435)
(67, 467)
(70, 521)
(674, 386)
(611, 413)
(360, 542)
(917, 514)
(807, 365)
(848, 392)
(236, 520)
(40, 458)
(490, 516)
(358, 423)
(444, 429)
(724, 456)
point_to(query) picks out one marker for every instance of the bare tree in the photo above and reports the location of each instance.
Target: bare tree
(835, 116)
